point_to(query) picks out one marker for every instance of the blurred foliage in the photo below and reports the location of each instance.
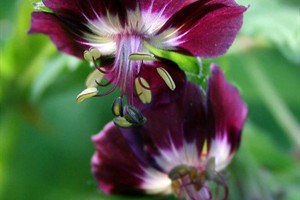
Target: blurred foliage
(45, 146)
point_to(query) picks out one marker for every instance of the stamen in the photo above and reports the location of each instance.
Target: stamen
(179, 172)
(145, 86)
(121, 122)
(133, 115)
(104, 84)
(108, 92)
(101, 69)
(188, 181)
(212, 175)
(166, 77)
(225, 187)
(143, 93)
(141, 56)
(87, 93)
(95, 53)
(91, 54)
(87, 55)
(117, 107)
(93, 78)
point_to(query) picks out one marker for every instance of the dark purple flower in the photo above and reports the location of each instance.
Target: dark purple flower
(184, 145)
(115, 32)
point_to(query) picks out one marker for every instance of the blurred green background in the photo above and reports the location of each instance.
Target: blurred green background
(45, 145)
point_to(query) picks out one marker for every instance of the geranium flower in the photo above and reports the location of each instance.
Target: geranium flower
(182, 148)
(116, 32)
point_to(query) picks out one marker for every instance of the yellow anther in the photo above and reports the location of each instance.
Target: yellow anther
(87, 56)
(166, 77)
(141, 56)
(87, 93)
(95, 52)
(143, 93)
(121, 122)
(96, 75)
(92, 53)
(117, 107)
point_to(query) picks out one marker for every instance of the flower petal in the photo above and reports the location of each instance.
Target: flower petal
(65, 40)
(64, 8)
(226, 116)
(165, 7)
(175, 132)
(90, 8)
(119, 170)
(206, 28)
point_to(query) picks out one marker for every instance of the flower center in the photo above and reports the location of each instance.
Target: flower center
(189, 182)
(108, 38)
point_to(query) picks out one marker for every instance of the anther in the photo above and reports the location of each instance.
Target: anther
(133, 115)
(95, 53)
(166, 77)
(95, 77)
(117, 107)
(122, 122)
(144, 94)
(141, 56)
(91, 54)
(87, 93)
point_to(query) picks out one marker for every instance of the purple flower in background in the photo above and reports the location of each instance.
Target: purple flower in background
(182, 148)
(112, 34)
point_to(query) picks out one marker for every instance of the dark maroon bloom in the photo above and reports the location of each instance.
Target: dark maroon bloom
(117, 30)
(184, 144)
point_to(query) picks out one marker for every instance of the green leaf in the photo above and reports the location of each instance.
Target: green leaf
(189, 64)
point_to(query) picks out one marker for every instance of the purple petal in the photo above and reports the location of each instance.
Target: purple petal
(208, 28)
(65, 40)
(168, 7)
(119, 170)
(91, 8)
(226, 110)
(175, 132)
(65, 7)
